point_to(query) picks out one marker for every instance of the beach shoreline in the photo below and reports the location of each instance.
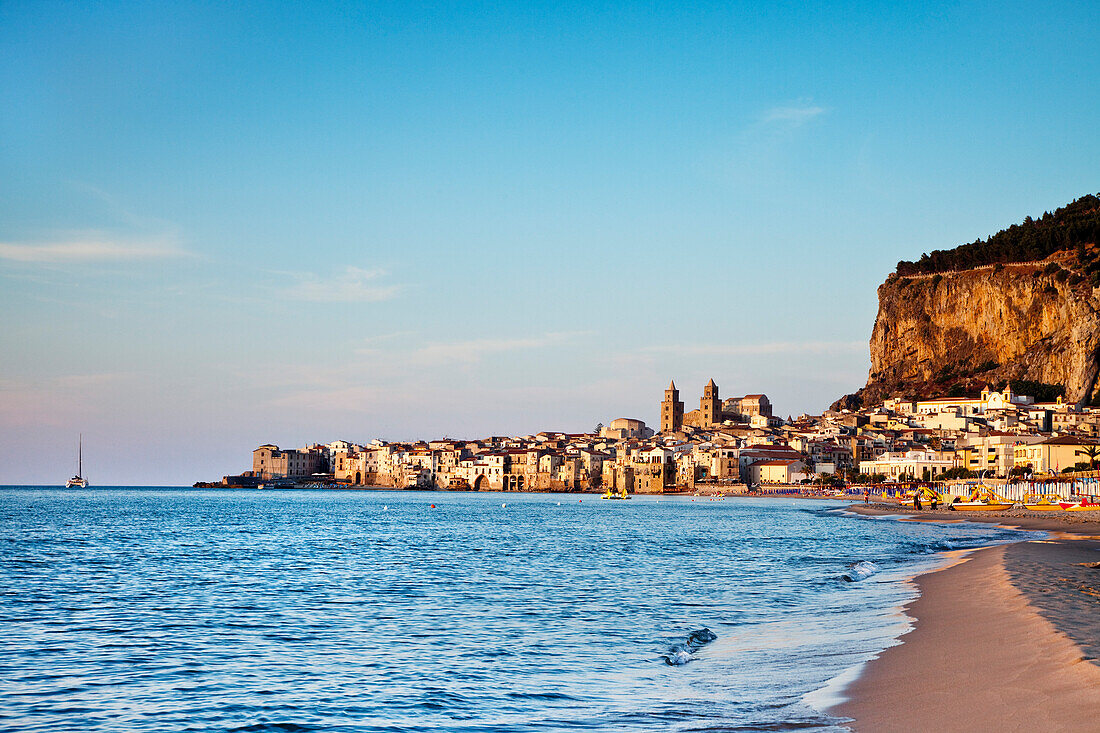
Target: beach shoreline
(1006, 639)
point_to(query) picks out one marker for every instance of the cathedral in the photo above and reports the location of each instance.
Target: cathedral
(712, 410)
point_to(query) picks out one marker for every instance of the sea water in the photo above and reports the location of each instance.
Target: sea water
(204, 610)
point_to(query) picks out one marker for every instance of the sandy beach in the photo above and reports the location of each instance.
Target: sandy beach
(1085, 524)
(1007, 639)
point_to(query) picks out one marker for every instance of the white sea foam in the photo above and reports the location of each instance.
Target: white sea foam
(860, 570)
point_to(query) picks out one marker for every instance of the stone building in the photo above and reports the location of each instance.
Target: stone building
(742, 409)
(270, 462)
(625, 428)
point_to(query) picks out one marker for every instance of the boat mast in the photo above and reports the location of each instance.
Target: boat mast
(80, 456)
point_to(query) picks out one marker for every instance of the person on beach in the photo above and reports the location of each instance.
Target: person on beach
(916, 501)
(934, 503)
(866, 496)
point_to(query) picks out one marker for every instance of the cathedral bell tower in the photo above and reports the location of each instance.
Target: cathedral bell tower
(710, 407)
(672, 410)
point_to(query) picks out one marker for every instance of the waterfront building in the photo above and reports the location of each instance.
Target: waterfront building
(268, 461)
(777, 471)
(921, 465)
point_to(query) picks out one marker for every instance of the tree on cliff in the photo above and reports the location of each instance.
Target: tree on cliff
(1071, 227)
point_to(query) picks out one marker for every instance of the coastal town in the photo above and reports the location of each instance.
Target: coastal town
(730, 445)
(451, 367)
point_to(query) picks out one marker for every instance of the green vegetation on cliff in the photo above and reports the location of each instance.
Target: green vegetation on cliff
(1073, 226)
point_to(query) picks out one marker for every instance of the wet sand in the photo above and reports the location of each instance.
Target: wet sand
(1008, 639)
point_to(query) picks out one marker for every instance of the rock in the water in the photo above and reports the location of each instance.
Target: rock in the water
(701, 636)
(683, 653)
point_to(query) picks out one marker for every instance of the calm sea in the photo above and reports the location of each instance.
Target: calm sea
(198, 610)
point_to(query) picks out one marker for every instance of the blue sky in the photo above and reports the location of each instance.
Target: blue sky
(228, 224)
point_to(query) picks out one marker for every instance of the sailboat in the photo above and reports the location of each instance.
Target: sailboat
(78, 480)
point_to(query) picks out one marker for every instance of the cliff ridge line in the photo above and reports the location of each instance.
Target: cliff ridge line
(1037, 321)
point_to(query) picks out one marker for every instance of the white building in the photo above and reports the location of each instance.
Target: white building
(989, 400)
(918, 464)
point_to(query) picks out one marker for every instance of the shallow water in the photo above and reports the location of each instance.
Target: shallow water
(205, 610)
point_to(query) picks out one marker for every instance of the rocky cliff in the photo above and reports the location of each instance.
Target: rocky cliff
(1036, 321)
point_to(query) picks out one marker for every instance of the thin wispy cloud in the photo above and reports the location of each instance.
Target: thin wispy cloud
(794, 115)
(119, 211)
(90, 249)
(350, 398)
(351, 285)
(764, 349)
(375, 344)
(473, 350)
(59, 400)
(395, 369)
(394, 362)
(762, 150)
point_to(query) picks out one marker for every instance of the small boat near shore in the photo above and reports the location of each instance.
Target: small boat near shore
(980, 506)
(1042, 503)
(982, 499)
(920, 497)
(611, 494)
(1079, 506)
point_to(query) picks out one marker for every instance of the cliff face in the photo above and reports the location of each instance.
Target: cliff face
(1017, 321)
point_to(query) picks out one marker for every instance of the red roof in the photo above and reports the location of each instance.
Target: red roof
(1068, 440)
